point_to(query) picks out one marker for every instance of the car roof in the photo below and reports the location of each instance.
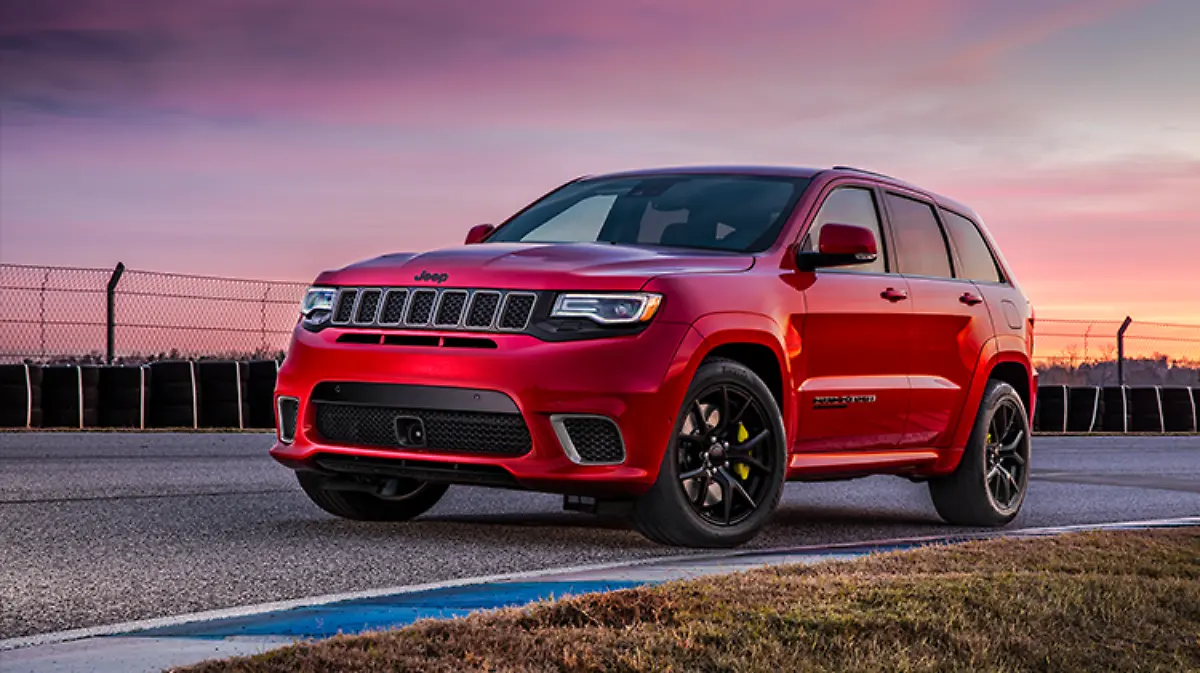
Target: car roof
(773, 171)
(794, 172)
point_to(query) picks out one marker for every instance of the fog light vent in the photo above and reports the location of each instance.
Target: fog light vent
(289, 408)
(590, 440)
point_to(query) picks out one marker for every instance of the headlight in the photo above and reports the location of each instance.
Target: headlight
(317, 306)
(608, 309)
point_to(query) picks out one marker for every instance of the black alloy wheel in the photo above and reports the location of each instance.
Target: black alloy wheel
(724, 465)
(1007, 457)
(724, 469)
(989, 485)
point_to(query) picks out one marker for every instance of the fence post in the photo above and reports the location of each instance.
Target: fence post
(110, 320)
(266, 293)
(1121, 351)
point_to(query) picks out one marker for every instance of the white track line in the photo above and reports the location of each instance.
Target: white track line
(261, 608)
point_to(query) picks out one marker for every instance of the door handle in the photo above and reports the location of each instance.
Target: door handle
(893, 295)
(970, 299)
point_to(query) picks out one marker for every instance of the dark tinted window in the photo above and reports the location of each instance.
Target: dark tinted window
(920, 246)
(849, 205)
(742, 213)
(973, 253)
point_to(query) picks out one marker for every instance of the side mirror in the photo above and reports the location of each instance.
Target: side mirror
(479, 232)
(840, 245)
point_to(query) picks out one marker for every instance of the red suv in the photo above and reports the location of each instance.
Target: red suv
(673, 344)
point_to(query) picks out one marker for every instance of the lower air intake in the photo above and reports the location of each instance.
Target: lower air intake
(443, 431)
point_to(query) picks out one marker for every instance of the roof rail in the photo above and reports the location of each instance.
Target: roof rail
(861, 170)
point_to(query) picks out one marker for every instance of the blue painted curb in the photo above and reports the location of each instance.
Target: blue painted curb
(386, 612)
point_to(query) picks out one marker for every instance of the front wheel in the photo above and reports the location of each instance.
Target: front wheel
(989, 485)
(407, 499)
(722, 473)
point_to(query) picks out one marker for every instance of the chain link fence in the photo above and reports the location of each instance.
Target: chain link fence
(1112, 352)
(62, 314)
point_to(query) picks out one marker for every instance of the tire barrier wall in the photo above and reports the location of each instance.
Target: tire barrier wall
(174, 395)
(20, 396)
(1084, 409)
(1050, 414)
(166, 394)
(225, 394)
(260, 393)
(221, 387)
(1119, 409)
(124, 397)
(70, 396)
(1146, 410)
(1116, 409)
(1179, 410)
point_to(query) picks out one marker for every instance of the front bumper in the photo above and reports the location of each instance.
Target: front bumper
(636, 381)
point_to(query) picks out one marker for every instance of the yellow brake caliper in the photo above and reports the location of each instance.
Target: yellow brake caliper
(742, 470)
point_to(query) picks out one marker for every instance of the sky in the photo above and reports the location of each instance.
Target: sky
(277, 138)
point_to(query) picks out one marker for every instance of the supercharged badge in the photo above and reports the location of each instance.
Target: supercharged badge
(841, 401)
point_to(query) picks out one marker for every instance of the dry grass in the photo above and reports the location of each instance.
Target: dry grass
(1082, 602)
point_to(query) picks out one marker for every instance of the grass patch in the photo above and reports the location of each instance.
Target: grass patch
(1122, 600)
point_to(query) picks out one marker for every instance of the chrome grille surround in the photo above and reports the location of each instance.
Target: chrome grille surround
(394, 302)
(452, 308)
(366, 309)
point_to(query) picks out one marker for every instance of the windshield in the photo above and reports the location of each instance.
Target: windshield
(741, 213)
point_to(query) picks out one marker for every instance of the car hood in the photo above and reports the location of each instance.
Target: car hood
(533, 266)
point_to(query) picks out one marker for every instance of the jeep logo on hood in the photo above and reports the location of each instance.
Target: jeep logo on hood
(435, 277)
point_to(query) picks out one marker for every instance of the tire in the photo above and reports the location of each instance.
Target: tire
(967, 497)
(358, 506)
(677, 510)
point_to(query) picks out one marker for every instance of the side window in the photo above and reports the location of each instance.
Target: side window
(977, 260)
(920, 245)
(849, 205)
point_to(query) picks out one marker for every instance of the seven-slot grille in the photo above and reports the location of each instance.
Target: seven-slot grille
(448, 308)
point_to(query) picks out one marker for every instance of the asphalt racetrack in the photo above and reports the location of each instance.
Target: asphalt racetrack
(97, 528)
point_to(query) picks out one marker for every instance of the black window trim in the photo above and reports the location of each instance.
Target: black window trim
(951, 257)
(1004, 280)
(889, 262)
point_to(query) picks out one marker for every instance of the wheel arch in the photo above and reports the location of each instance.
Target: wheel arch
(1002, 359)
(1018, 375)
(754, 341)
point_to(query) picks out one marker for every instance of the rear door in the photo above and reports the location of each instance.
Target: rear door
(976, 261)
(852, 377)
(949, 320)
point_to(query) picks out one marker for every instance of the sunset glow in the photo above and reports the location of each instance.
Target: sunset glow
(274, 139)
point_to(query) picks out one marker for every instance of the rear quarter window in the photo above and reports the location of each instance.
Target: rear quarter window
(975, 256)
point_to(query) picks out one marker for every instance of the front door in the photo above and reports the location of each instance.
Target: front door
(852, 379)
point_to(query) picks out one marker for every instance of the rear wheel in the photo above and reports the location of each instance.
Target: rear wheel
(989, 485)
(406, 499)
(723, 472)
